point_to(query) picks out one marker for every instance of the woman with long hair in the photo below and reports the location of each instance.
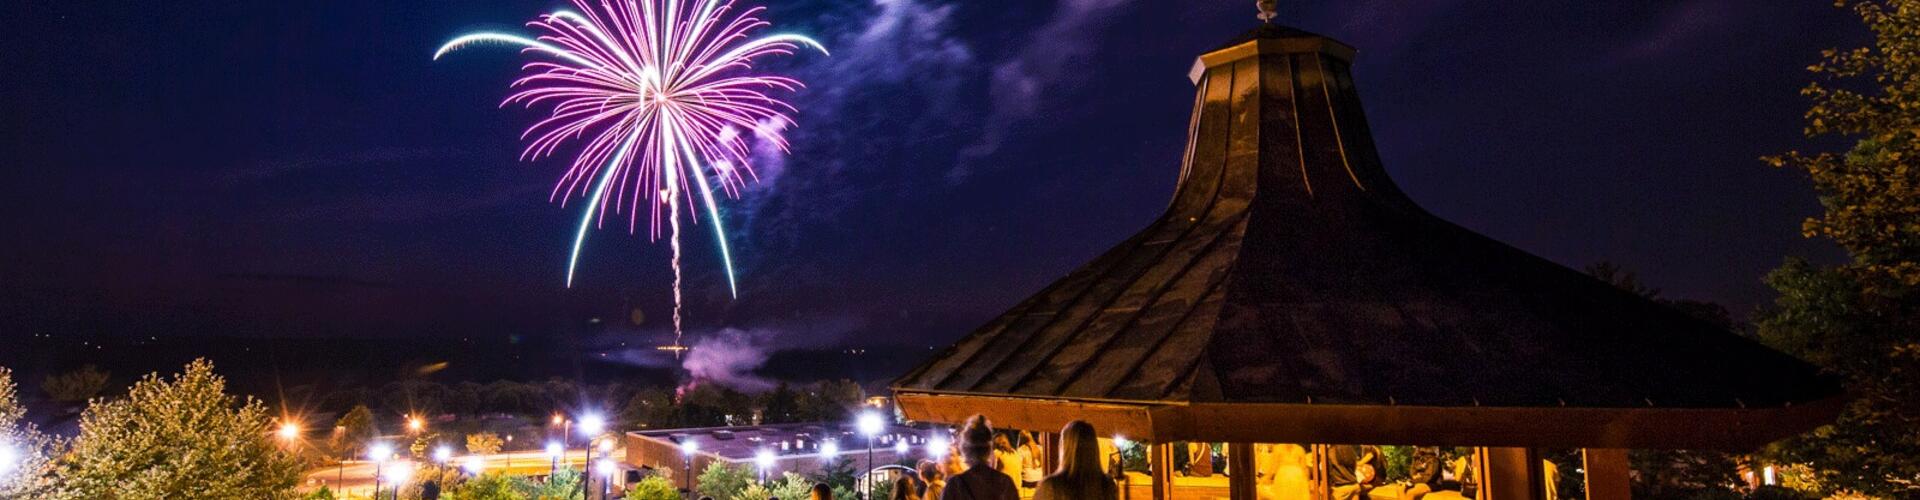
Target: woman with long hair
(936, 481)
(1080, 476)
(980, 481)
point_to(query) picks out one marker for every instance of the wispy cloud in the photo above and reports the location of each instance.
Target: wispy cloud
(1053, 56)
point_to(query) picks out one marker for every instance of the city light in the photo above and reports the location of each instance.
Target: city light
(475, 465)
(689, 447)
(765, 459)
(416, 424)
(607, 467)
(380, 452)
(1120, 442)
(830, 449)
(900, 448)
(557, 419)
(554, 449)
(939, 446)
(592, 424)
(398, 475)
(870, 423)
(606, 446)
(442, 454)
(289, 430)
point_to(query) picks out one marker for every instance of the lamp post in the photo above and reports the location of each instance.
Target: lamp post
(554, 452)
(379, 454)
(869, 425)
(590, 425)
(607, 469)
(474, 464)
(687, 449)
(1120, 444)
(765, 460)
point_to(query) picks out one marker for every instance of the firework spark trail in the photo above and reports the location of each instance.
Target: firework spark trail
(672, 78)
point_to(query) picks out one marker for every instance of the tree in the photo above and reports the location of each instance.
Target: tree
(562, 485)
(485, 487)
(651, 409)
(182, 437)
(781, 405)
(653, 488)
(723, 481)
(30, 474)
(789, 487)
(76, 386)
(1860, 320)
(353, 431)
(485, 443)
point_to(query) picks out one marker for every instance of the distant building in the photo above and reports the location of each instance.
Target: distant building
(795, 448)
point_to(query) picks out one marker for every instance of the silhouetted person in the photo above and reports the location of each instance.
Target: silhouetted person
(980, 481)
(1079, 477)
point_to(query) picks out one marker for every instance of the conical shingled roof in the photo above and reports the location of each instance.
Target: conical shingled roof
(1289, 269)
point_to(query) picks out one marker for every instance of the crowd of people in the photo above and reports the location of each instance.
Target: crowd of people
(990, 465)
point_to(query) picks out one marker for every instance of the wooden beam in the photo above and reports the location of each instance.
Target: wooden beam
(1513, 474)
(1241, 472)
(1608, 474)
(1161, 458)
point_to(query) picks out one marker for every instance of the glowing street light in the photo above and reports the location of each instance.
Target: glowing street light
(830, 450)
(765, 459)
(554, 451)
(591, 425)
(939, 446)
(415, 424)
(869, 424)
(474, 465)
(289, 430)
(379, 453)
(443, 454)
(607, 469)
(688, 448)
(900, 449)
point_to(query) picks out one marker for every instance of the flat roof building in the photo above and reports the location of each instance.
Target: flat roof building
(799, 448)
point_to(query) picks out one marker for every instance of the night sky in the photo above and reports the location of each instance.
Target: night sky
(302, 168)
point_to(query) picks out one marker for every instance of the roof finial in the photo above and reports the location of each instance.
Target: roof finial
(1267, 8)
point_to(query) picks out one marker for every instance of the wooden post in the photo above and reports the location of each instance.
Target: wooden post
(1241, 472)
(1512, 474)
(1161, 458)
(1050, 447)
(1607, 474)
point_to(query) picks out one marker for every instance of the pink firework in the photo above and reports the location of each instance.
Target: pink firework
(658, 93)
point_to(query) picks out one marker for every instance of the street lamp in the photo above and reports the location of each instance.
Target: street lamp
(591, 425)
(829, 450)
(939, 447)
(415, 424)
(900, 449)
(289, 430)
(379, 454)
(554, 451)
(443, 454)
(475, 464)
(765, 460)
(607, 469)
(687, 449)
(869, 425)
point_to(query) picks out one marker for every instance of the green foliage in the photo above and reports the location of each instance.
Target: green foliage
(484, 487)
(831, 401)
(1861, 320)
(320, 494)
(355, 431)
(31, 475)
(484, 443)
(183, 437)
(722, 481)
(559, 486)
(76, 386)
(838, 474)
(653, 488)
(651, 409)
(711, 405)
(790, 487)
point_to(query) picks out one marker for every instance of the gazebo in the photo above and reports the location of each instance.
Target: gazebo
(1291, 293)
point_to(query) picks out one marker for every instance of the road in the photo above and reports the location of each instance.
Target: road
(357, 476)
